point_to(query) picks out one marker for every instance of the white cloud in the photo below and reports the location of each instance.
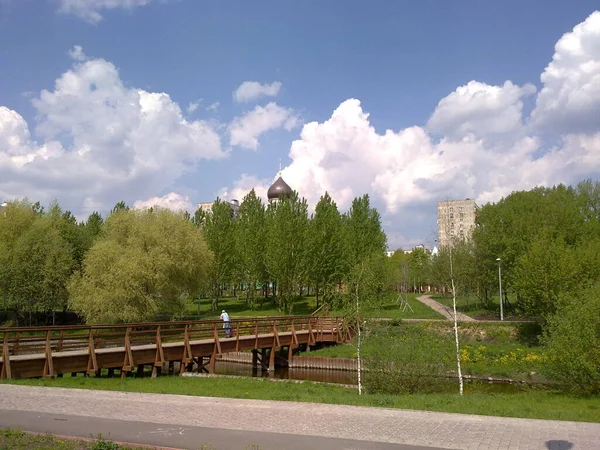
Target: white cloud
(77, 54)
(172, 201)
(99, 142)
(243, 185)
(570, 98)
(192, 106)
(480, 109)
(89, 10)
(484, 148)
(251, 90)
(213, 106)
(244, 131)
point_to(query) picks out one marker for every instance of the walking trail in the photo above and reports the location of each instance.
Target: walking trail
(446, 311)
(190, 422)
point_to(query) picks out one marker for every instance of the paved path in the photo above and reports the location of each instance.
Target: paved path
(294, 422)
(446, 311)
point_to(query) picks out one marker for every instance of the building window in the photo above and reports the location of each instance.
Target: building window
(451, 209)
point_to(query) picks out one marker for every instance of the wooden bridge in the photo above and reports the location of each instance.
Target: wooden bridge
(30, 352)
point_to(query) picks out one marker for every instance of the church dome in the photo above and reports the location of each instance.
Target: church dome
(279, 189)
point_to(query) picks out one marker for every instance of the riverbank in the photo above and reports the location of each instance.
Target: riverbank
(479, 399)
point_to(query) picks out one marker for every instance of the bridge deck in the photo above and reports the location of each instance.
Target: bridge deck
(52, 351)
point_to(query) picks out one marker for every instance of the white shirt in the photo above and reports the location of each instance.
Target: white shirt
(225, 317)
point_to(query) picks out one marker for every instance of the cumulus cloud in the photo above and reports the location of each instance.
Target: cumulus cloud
(244, 131)
(213, 106)
(89, 10)
(172, 201)
(99, 142)
(243, 185)
(570, 98)
(480, 109)
(476, 144)
(192, 106)
(252, 90)
(77, 54)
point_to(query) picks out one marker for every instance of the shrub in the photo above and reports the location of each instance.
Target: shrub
(572, 338)
(407, 359)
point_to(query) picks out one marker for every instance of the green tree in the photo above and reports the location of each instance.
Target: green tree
(286, 226)
(144, 263)
(251, 244)
(326, 249)
(219, 230)
(572, 340)
(364, 235)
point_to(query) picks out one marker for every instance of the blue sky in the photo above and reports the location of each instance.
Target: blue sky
(403, 62)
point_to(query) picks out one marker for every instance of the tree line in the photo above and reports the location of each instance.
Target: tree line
(547, 240)
(136, 264)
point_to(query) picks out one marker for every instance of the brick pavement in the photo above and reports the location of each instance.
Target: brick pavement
(418, 428)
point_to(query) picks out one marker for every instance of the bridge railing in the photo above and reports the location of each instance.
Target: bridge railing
(40, 340)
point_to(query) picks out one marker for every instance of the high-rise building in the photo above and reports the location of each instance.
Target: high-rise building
(456, 219)
(234, 206)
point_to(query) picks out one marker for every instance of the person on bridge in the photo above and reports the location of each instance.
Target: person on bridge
(226, 323)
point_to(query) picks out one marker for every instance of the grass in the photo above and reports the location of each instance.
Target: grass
(478, 399)
(473, 307)
(307, 305)
(18, 440)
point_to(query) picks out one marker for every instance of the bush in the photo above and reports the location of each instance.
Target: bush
(407, 359)
(572, 339)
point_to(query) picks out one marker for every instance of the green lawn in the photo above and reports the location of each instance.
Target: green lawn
(473, 307)
(478, 400)
(307, 305)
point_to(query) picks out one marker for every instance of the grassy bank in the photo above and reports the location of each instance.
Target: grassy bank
(478, 398)
(18, 440)
(307, 305)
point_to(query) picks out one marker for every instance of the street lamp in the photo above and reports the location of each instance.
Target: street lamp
(500, 284)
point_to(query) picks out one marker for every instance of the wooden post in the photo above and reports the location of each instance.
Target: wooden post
(171, 367)
(187, 351)
(272, 360)
(290, 355)
(216, 339)
(111, 372)
(140, 371)
(159, 358)
(212, 364)
(237, 337)
(6, 372)
(255, 359)
(59, 346)
(128, 360)
(48, 364)
(92, 365)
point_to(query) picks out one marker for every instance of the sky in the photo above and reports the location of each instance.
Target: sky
(176, 102)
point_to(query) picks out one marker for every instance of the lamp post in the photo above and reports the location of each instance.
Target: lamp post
(500, 285)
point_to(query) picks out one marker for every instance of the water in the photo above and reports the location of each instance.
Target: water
(285, 373)
(349, 377)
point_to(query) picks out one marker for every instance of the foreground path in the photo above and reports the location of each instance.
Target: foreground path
(232, 423)
(446, 311)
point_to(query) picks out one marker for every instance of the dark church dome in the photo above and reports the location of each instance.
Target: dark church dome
(279, 189)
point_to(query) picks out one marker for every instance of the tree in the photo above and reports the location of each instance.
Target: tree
(364, 235)
(286, 226)
(327, 251)
(220, 237)
(37, 259)
(572, 340)
(144, 263)
(251, 244)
